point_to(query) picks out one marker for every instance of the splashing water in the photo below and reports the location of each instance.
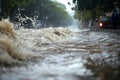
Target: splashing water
(11, 49)
(60, 45)
(16, 45)
(27, 22)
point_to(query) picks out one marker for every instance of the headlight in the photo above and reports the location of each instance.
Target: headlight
(100, 24)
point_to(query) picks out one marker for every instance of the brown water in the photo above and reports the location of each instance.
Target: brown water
(67, 55)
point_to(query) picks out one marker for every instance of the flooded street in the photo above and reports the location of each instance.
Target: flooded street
(59, 40)
(81, 55)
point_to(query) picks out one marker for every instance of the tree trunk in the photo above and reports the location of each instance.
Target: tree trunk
(9, 8)
(93, 16)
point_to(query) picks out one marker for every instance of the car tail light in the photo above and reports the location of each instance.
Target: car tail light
(100, 24)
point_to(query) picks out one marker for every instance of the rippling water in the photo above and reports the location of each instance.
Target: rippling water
(65, 55)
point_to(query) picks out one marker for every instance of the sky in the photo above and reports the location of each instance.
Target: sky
(65, 2)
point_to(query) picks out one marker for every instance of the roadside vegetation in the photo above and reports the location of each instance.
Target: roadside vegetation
(49, 13)
(92, 9)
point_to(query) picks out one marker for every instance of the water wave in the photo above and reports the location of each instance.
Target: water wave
(17, 45)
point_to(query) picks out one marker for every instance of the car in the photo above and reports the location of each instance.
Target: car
(104, 22)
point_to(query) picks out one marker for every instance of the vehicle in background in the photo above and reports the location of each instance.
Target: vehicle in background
(104, 22)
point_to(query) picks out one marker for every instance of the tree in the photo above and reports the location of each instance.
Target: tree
(47, 11)
(8, 6)
(50, 13)
(94, 6)
(90, 4)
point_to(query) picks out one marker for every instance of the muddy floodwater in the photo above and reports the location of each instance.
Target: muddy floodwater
(84, 55)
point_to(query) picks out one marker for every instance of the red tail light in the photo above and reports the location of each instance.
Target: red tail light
(100, 24)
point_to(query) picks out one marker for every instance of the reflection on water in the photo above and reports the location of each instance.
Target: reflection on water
(66, 55)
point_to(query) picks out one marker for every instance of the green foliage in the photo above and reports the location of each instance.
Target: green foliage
(23, 3)
(94, 8)
(87, 15)
(14, 3)
(77, 15)
(86, 7)
(58, 14)
(99, 12)
(90, 4)
(8, 6)
(49, 12)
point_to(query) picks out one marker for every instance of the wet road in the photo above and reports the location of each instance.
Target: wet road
(89, 55)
